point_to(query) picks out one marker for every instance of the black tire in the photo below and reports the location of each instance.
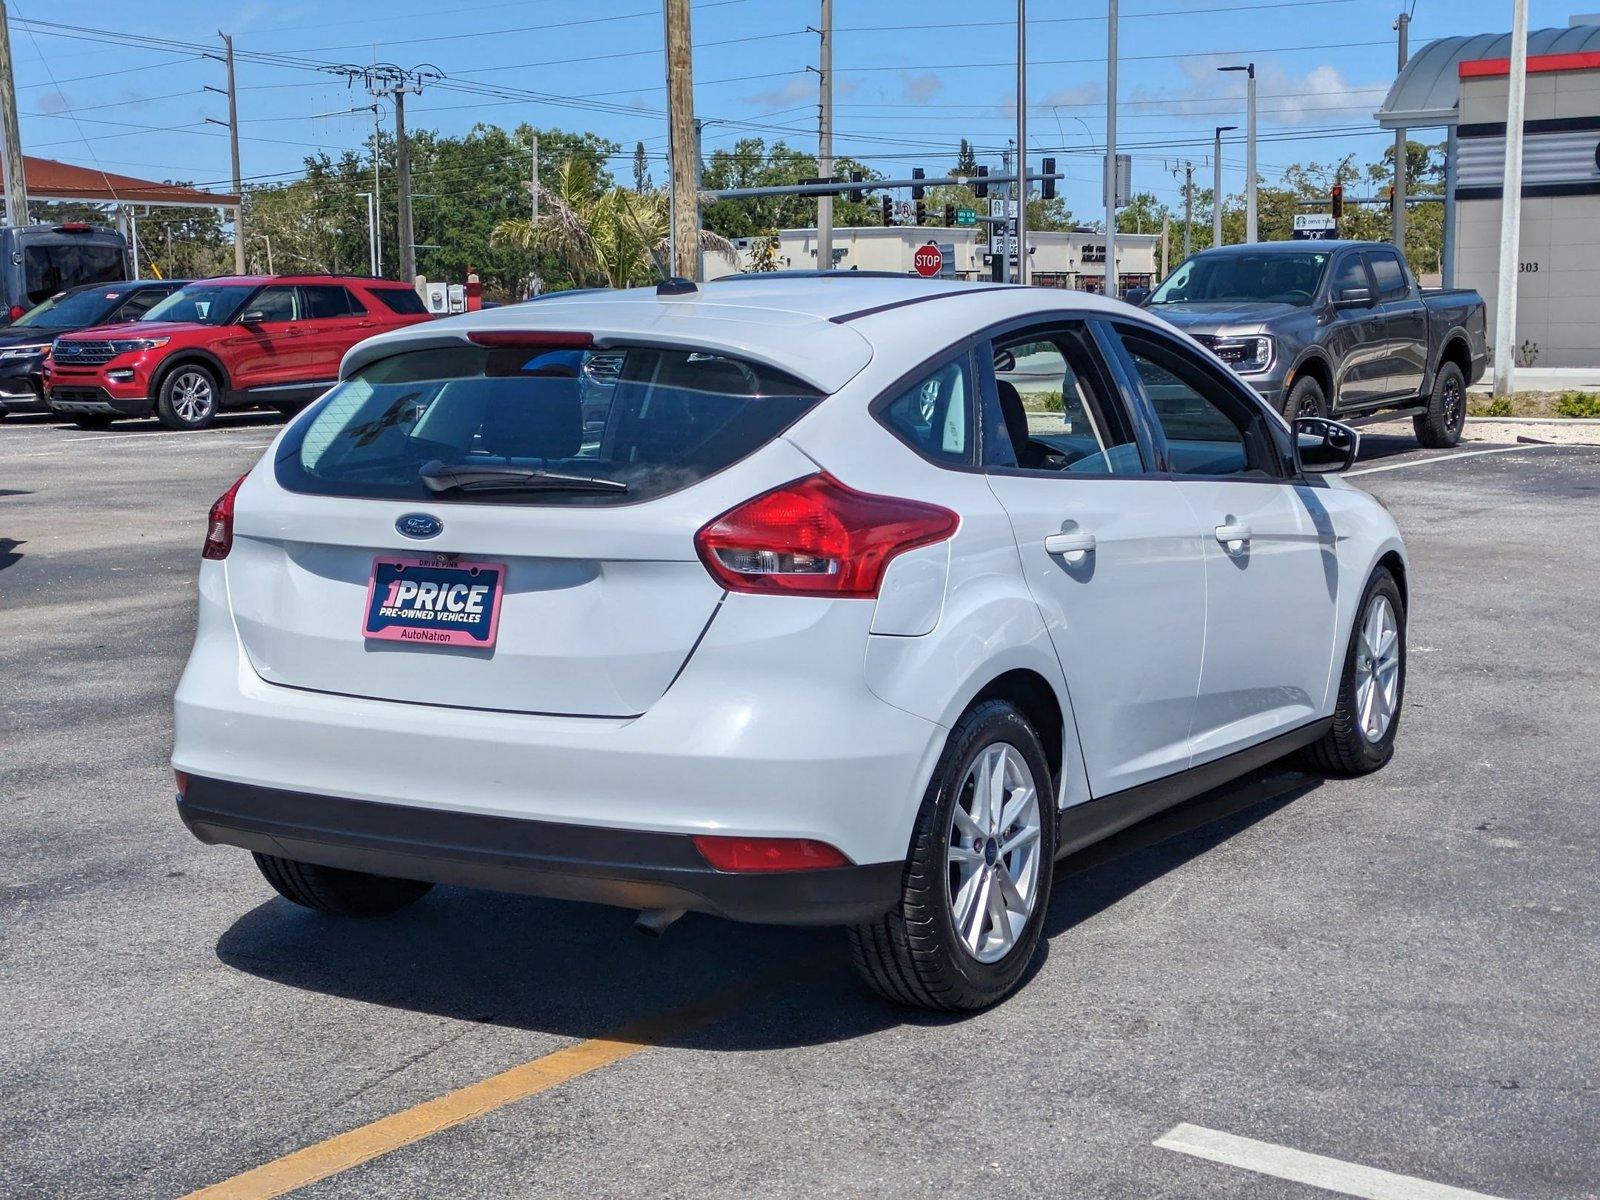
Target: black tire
(1440, 427)
(92, 421)
(1305, 399)
(914, 954)
(339, 892)
(188, 397)
(1346, 749)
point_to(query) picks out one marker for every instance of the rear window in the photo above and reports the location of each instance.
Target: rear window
(537, 426)
(51, 269)
(402, 300)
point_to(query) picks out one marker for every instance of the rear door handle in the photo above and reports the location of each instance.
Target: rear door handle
(1233, 532)
(1071, 546)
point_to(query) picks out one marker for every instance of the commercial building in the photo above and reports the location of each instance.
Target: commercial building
(1462, 84)
(1074, 259)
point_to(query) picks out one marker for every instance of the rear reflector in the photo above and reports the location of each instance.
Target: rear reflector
(219, 525)
(532, 340)
(814, 536)
(182, 781)
(768, 854)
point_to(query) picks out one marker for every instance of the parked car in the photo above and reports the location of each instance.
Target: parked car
(25, 343)
(1334, 328)
(237, 341)
(835, 623)
(37, 261)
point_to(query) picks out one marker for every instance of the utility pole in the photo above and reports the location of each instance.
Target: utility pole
(1009, 194)
(233, 149)
(1166, 242)
(1403, 28)
(1216, 183)
(825, 137)
(10, 131)
(682, 148)
(1111, 148)
(1505, 308)
(1022, 141)
(1188, 205)
(533, 177)
(377, 194)
(386, 79)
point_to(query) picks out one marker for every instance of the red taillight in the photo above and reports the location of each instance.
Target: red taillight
(219, 525)
(814, 536)
(532, 340)
(768, 854)
(16, 311)
(182, 781)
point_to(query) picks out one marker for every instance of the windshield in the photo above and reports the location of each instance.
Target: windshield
(1233, 277)
(202, 303)
(537, 425)
(71, 310)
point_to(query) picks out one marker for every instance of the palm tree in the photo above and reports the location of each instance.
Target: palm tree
(617, 236)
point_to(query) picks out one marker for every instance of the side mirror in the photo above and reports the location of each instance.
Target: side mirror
(1137, 296)
(1324, 447)
(1353, 297)
(254, 317)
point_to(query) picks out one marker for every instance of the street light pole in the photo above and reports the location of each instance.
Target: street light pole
(1022, 141)
(1505, 308)
(1249, 149)
(1111, 148)
(372, 232)
(1216, 184)
(825, 137)
(1402, 27)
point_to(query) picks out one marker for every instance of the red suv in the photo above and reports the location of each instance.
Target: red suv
(237, 341)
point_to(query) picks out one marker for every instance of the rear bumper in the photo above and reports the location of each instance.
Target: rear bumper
(627, 868)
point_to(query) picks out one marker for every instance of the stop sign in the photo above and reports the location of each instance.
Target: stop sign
(928, 261)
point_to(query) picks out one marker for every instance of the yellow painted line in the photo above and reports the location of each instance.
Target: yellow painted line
(367, 1142)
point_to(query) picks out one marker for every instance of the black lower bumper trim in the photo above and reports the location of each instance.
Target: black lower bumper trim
(626, 868)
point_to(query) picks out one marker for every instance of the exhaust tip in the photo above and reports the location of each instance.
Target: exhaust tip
(653, 922)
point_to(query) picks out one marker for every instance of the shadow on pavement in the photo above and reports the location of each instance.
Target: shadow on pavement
(580, 971)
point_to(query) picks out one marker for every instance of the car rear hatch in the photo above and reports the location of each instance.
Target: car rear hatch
(551, 502)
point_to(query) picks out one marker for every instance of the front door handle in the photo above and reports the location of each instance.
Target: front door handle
(1234, 535)
(1071, 546)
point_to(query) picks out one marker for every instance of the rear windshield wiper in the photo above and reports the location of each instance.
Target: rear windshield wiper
(504, 478)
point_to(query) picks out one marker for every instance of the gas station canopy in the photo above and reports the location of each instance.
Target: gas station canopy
(1426, 92)
(51, 180)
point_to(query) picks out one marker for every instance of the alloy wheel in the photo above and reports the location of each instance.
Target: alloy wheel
(992, 854)
(1377, 675)
(1455, 405)
(191, 396)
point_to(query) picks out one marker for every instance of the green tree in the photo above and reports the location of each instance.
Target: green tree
(641, 169)
(966, 160)
(751, 163)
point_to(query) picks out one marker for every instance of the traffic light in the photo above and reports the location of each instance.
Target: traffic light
(888, 211)
(980, 186)
(949, 216)
(857, 194)
(1338, 201)
(1047, 185)
(916, 189)
(922, 213)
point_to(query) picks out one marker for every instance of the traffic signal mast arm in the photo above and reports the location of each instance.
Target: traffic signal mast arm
(839, 187)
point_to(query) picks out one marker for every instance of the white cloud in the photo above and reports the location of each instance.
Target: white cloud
(1323, 94)
(799, 89)
(919, 89)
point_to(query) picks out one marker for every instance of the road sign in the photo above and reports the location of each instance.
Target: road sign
(928, 260)
(905, 212)
(1124, 178)
(966, 216)
(1315, 227)
(1003, 208)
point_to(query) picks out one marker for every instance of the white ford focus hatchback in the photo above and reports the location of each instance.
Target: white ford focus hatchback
(837, 600)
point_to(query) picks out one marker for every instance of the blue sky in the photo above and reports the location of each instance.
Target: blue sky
(912, 79)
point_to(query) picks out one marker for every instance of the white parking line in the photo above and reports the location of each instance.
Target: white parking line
(1330, 1174)
(1417, 462)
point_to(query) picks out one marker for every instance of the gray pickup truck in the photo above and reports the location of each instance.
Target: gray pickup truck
(1333, 329)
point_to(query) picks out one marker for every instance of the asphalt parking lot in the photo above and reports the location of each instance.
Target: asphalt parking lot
(1396, 973)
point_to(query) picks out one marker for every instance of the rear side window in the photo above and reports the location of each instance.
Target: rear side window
(325, 301)
(401, 300)
(1390, 276)
(934, 415)
(535, 425)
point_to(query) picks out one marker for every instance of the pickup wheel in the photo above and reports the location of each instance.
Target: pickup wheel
(1305, 399)
(1440, 427)
(187, 397)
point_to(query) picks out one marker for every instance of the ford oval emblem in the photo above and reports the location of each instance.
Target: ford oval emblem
(419, 525)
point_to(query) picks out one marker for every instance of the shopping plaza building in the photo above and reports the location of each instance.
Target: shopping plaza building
(1462, 86)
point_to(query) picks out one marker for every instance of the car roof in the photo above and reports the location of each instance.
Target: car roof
(820, 328)
(258, 280)
(127, 285)
(1302, 247)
